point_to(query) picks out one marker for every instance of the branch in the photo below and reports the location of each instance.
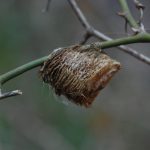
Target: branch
(10, 94)
(137, 27)
(128, 15)
(141, 8)
(20, 70)
(140, 38)
(47, 6)
(80, 15)
(93, 32)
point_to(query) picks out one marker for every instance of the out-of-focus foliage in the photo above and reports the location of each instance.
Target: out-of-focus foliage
(39, 120)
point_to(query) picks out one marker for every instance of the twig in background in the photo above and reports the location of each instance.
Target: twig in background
(93, 32)
(141, 8)
(126, 21)
(10, 94)
(46, 9)
(85, 38)
(128, 16)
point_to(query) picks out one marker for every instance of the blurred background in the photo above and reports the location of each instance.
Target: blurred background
(119, 118)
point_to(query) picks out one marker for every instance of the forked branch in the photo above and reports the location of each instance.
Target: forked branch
(91, 31)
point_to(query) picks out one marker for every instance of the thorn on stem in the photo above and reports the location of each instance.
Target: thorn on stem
(123, 15)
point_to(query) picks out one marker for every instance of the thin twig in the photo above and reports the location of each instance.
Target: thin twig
(121, 14)
(46, 9)
(91, 31)
(126, 49)
(10, 94)
(85, 38)
(79, 14)
(82, 20)
(141, 8)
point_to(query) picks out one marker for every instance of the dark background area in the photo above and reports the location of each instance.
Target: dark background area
(40, 120)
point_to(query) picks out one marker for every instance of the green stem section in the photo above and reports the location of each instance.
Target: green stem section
(140, 38)
(20, 70)
(128, 15)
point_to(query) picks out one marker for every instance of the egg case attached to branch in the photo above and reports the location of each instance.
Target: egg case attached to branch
(78, 74)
